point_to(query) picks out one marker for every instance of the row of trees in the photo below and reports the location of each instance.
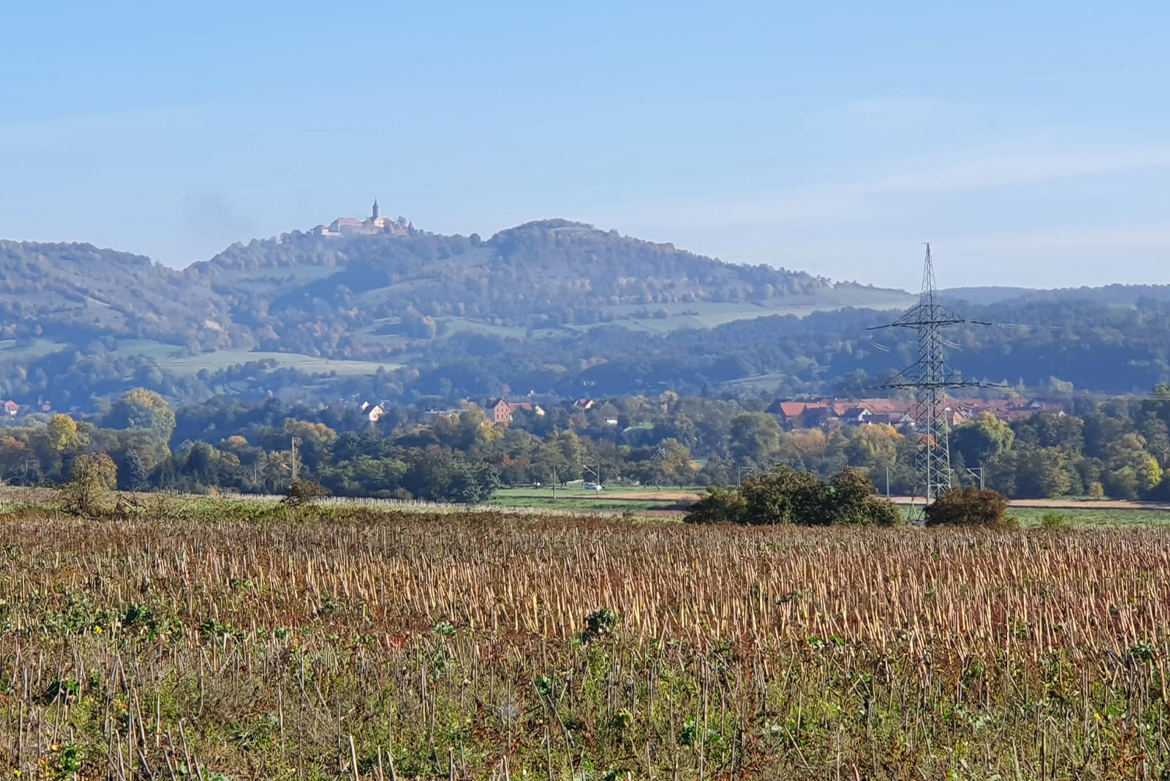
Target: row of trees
(1118, 448)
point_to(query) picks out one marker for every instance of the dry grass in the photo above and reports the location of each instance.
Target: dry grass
(275, 647)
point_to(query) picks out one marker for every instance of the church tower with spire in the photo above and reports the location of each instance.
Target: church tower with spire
(377, 211)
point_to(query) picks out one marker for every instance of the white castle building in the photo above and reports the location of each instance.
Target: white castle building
(373, 225)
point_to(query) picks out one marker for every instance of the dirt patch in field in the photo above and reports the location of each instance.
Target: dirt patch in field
(650, 496)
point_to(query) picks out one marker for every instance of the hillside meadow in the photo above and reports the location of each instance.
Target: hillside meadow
(219, 640)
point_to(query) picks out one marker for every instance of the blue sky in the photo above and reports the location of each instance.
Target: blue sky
(1028, 141)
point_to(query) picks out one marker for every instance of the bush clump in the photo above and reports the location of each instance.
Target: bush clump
(719, 505)
(970, 507)
(790, 496)
(91, 488)
(1054, 521)
(303, 492)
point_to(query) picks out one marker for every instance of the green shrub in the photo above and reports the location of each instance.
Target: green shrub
(853, 501)
(1053, 521)
(970, 507)
(786, 495)
(719, 505)
(598, 623)
(878, 511)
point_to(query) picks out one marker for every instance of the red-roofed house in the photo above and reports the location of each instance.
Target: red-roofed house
(501, 412)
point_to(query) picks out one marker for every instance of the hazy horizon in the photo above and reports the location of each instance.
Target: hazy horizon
(1024, 143)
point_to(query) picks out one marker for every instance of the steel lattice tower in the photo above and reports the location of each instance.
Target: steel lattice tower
(929, 377)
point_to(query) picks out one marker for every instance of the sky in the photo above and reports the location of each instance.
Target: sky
(1027, 141)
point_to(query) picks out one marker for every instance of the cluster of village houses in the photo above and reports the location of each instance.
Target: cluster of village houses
(12, 409)
(899, 413)
(827, 414)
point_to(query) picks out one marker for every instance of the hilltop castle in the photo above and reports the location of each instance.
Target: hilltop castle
(373, 225)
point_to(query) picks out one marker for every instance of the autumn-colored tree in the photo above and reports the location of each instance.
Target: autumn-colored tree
(144, 409)
(63, 434)
(875, 445)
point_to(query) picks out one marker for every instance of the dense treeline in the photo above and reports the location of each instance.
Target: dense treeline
(1056, 346)
(1085, 344)
(1117, 448)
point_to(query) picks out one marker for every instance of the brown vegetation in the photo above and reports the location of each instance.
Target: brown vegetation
(481, 645)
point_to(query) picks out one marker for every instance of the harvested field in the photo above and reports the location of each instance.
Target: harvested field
(333, 642)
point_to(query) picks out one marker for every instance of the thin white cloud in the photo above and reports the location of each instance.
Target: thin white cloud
(1017, 168)
(871, 200)
(1120, 237)
(887, 114)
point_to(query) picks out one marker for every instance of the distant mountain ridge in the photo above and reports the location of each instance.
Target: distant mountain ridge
(376, 296)
(386, 296)
(68, 290)
(550, 306)
(1114, 294)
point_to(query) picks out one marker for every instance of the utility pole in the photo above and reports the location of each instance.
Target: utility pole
(977, 472)
(659, 454)
(595, 472)
(930, 378)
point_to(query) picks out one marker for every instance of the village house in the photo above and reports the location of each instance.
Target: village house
(501, 411)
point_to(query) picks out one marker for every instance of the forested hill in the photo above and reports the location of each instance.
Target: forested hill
(547, 274)
(551, 307)
(75, 292)
(373, 297)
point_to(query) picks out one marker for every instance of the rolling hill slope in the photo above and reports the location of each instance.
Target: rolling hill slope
(348, 304)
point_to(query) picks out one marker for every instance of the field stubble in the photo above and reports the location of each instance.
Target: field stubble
(481, 645)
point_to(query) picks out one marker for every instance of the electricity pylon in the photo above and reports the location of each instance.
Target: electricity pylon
(930, 378)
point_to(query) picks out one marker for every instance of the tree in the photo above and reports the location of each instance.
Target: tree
(754, 436)
(874, 446)
(674, 464)
(145, 409)
(969, 507)
(1130, 471)
(852, 500)
(785, 495)
(1045, 473)
(981, 439)
(438, 476)
(133, 476)
(63, 434)
(94, 477)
